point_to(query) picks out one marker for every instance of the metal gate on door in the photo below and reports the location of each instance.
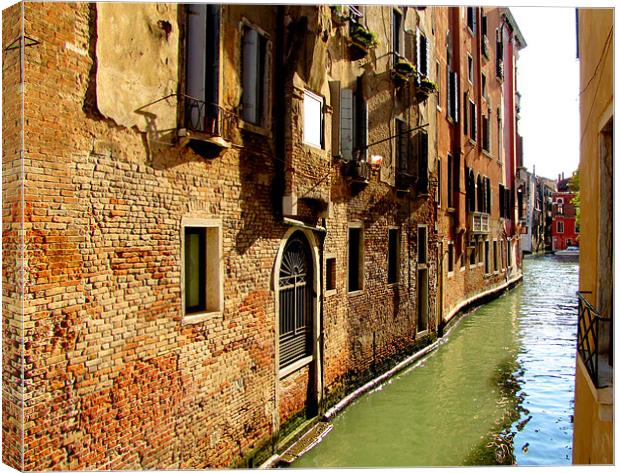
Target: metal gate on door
(295, 297)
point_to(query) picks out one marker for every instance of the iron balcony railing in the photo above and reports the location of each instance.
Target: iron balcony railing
(589, 337)
(208, 118)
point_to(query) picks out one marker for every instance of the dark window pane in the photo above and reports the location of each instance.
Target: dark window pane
(195, 269)
(354, 259)
(392, 256)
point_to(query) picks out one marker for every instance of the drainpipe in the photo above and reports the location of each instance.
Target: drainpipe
(278, 116)
(321, 334)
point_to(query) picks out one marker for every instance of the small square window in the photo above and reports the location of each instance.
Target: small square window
(313, 119)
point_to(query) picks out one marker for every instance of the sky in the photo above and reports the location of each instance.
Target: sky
(548, 80)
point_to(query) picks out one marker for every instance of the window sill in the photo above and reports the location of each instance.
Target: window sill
(284, 372)
(450, 274)
(472, 266)
(200, 317)
(462, 269)
(331, 292)
(254, 128)
(451, 210)
(421, 333)
(486, 153)
(357, 292)
(313, 148)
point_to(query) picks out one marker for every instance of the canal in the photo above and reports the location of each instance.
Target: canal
(500, 389)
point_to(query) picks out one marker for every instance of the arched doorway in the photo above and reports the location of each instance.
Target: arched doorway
(296, 301)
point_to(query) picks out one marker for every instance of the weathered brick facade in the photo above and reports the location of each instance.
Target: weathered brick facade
(118, 374)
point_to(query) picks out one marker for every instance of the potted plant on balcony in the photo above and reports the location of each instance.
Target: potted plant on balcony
(403, 70)
(340, 14)
(425, 88)
(361, 39)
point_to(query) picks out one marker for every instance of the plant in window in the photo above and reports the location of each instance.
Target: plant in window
(361, 39)
(403, 70)
(425, 88)
(340, 14)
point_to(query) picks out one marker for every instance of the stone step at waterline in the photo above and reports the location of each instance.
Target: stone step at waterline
(306, 442)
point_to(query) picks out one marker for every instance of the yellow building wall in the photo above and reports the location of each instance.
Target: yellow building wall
(593, 424)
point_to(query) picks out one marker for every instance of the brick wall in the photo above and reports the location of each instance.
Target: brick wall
(12, 248)
(116, 377)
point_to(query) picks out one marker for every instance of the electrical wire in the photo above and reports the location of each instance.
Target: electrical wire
(603, 54)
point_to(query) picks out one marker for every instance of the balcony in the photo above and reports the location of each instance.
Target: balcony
(206, 122)
(479, 222)
(593, 334)
(358, 171)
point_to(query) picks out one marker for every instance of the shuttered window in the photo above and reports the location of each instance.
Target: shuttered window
(202, 67)
(421, 146)
(453, 96)
(486, 134)
(487, 191)
(360, 122)
(402, 155)
(397, 19)
(471, 19)
(473, 122)
(450, 182)
(254, 68)
(439, 184)
(346, 123)
(502, 202)
(422, 54)
(349, 122)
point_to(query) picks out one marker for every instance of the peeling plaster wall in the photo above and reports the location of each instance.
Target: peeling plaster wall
(129, 37)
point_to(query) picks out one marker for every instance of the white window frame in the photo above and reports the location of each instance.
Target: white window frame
(214, 277)
(311, 139)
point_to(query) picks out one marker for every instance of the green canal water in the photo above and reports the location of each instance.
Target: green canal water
(500, 389)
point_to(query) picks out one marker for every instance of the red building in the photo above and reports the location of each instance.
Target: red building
(564, 225)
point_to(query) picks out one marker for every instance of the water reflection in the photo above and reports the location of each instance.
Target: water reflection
(500, 391)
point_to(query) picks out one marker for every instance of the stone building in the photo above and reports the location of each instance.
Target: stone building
(564, 231)
(227, 217)
(593, 431)
(477, 152)
(535, 210)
